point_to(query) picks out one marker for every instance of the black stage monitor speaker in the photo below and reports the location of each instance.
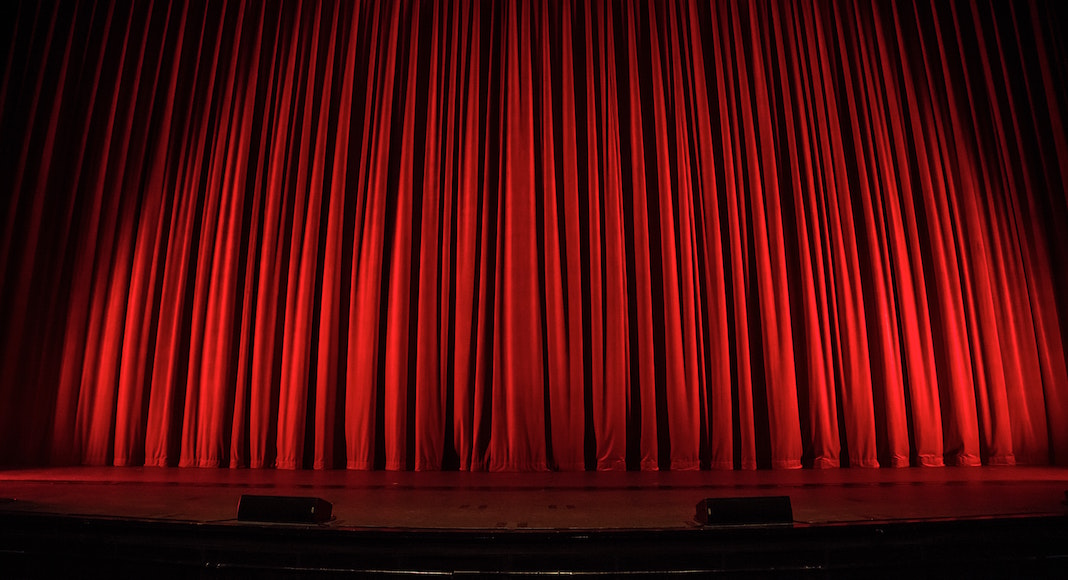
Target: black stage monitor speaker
(741, 511)
(283, 509)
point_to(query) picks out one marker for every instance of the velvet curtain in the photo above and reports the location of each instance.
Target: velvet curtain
(533, 235)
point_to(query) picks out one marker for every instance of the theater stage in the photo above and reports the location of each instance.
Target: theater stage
(938, 521)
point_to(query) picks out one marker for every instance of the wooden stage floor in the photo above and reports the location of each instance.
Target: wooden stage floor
(168, 522)
(547, 501)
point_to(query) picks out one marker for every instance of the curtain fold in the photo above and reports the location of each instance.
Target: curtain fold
(533, 235)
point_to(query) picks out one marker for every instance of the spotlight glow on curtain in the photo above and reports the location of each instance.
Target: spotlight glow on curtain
(533, 235)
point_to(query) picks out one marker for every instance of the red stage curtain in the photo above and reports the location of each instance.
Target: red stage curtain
(533, 235)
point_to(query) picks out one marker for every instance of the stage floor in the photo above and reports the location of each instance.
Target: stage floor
(537, 501)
